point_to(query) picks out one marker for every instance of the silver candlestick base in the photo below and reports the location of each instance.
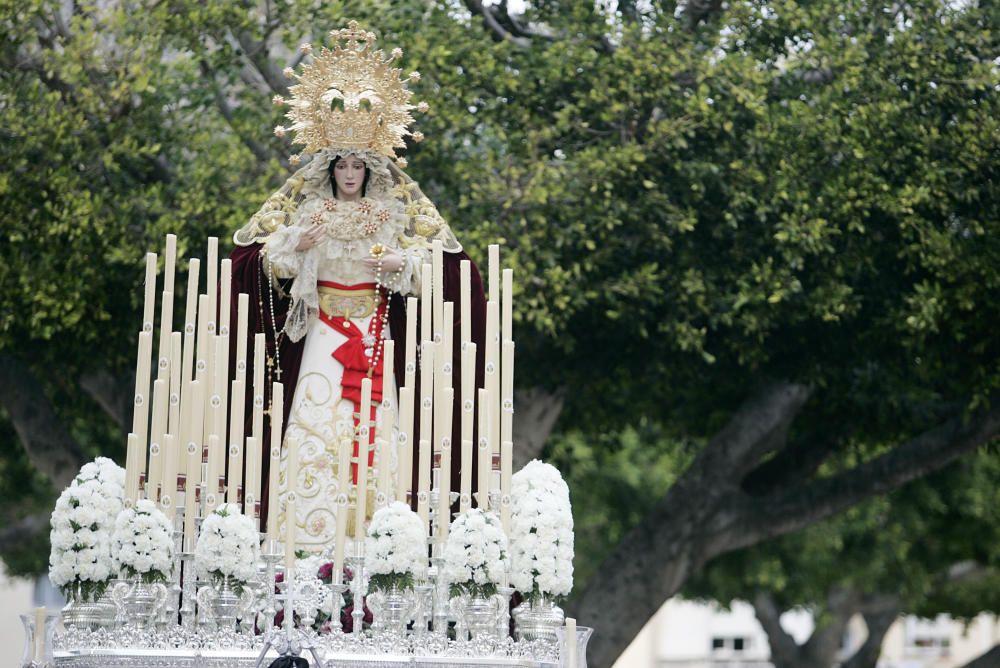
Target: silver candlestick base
(357, 566)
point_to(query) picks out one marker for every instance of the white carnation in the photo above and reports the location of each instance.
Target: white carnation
(541, 535)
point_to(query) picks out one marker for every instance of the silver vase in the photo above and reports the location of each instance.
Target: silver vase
(392, 609)
(84, 614)
(479, 615)
(142, 602)
(225, 604)
(538, 619)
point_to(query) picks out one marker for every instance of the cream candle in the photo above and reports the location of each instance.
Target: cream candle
(289, 539)
(242, 315)
(364, 430)
(169, 262)
(195, 454)
(149, 300)
(426, 303)
(343, 489)
(494, 272)
(39, 648)
(423, 480)
(465, 301)
(276, 412)
(168, 486)
(404, 471)
(251, 488)
(141, 401)
(215, 464)
(468, 424)
(166, 327)
(174, 413)
(444, 481)
(570, 642)
(437, 263)
(190, 321)
(132, 455)
(485, 454)
(258, 386)
(225, 297)
(410, 370)
(157, 429)
(235, 478)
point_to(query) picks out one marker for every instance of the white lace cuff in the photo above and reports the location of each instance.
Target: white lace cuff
(281, 244)
(407, 281)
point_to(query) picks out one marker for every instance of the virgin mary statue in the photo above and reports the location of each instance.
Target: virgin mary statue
(328, 262)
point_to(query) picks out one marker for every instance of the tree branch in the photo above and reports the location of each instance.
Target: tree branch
(105, 389)
(23, 531)
(490, 21)
(878, 621)
(783, 645)
(536, 413)
(257, 53)
(44, 436)
(226, 109)
(812, 501)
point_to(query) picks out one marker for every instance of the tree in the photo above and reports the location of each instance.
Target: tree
(919, 550)
(767, 230)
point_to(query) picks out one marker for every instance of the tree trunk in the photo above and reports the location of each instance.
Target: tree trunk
(878, 622)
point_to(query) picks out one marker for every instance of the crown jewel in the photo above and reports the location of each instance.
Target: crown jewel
(350, 96)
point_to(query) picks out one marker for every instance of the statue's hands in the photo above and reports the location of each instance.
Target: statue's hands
(391, 262)
(310, 238)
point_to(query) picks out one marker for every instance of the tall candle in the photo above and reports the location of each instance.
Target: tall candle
(212, 280)
(166, 327)
(410, 368)
(141, 401)
(225, 296)
(242, 315)
(157, 430)
(251, 489)
(190, 338)
(168, 493)
(220, 375)
(437, 263)
(258, 386)
(215, 464)
(570, 642)
(423, 479)
(276, 414)
(201, 370)
(193, 449)
(506, 306)
(343, 487)
(465, 300)
(468, 415)
(493, 370)
(132, 456)
(169, 262)
(404, 469)
(289, 538)
(384, 436)
(494, 277)
(364, 429)
(443, 354)
(39, 648)
(506, 432)
(426, 303)
(173, 423)
(235, 478)
(485, 454)
(444, 486)
(149, 302)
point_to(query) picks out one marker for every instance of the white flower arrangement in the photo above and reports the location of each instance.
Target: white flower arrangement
(396, 548)
(541, 532)
(82, 522)
(475, 557)
(143, 542)
(227, 547)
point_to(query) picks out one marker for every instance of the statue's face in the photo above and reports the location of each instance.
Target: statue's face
(349, 174)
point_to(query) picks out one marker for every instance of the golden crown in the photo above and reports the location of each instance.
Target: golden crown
(350, 96)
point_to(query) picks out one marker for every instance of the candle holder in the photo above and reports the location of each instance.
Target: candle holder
(168, 611)
(38, 642)
(189, 590)
(504, 592)
(271, 556)
(441, 600)
(338, 589)
(357, 566)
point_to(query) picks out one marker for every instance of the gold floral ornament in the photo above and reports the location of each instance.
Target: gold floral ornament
(350, 96)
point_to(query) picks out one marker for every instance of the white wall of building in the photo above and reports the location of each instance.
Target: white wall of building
(686, 634)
